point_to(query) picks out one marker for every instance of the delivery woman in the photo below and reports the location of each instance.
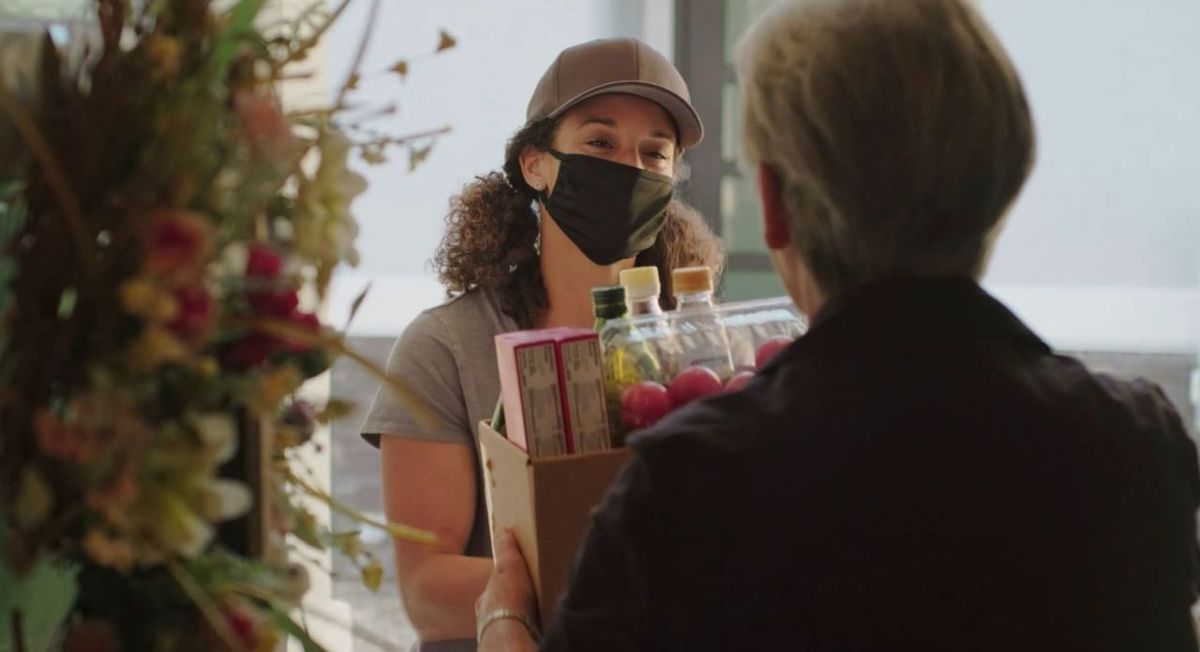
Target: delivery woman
(586, 191)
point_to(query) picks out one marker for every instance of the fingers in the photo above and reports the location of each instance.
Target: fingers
(508, 552)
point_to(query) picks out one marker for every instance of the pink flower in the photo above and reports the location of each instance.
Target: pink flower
(179, 243)
(267, 129)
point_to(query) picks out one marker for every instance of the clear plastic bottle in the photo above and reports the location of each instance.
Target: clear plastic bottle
(642, 290)
(703, 339)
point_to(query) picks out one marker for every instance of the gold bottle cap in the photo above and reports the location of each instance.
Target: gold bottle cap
(641, 282)
(689, 280)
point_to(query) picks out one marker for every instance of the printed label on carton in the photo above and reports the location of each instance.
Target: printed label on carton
(584, 377)
(540, 395)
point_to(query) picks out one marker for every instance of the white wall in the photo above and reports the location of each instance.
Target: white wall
(480, 88)
(1103, 248)
(1115, 88)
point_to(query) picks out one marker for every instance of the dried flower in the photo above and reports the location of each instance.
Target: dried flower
(275, 386)
(108, 551)
(155, 346)
(145, 297)
(372, 575)
(164, 53)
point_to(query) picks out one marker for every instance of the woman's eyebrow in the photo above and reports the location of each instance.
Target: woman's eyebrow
(612, 123)
(595, 119)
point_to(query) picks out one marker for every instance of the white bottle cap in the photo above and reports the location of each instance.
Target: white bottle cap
(641, 282)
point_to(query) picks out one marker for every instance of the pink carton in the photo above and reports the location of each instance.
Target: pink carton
(552, 387)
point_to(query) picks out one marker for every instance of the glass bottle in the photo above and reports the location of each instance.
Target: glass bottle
(628, 358)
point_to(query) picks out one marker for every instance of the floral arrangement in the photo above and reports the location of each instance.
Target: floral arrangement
(166, 233)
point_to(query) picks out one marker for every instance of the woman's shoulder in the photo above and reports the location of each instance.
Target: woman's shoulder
(466, 318)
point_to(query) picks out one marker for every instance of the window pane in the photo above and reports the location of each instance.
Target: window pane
(743, 285)
(731, 123)
(739, 14)
(740, 225)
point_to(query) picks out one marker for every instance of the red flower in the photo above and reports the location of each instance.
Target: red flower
(308, 322)
(179, 243)
(263, 261)
(196, 312)
(91, 635)
(252, 350)
(273, 303)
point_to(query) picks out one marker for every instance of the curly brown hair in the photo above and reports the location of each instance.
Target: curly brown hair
(492, 235)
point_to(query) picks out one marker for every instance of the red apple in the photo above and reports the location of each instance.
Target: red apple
(738, 381)
(643, 404)
(770, 349)
(694, 383)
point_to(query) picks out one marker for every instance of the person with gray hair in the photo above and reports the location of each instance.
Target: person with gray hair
(919, 471)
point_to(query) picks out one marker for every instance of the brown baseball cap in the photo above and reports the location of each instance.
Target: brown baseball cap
(620, 65)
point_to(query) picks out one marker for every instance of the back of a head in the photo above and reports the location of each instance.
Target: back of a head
(898, 128)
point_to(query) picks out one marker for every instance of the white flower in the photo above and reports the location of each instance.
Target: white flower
(218, 431)
(180, 529)
(221, 500)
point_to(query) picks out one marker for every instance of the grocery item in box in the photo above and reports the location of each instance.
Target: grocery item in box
(581, 374)
(744, 334)
(552, 390)
(531, 393)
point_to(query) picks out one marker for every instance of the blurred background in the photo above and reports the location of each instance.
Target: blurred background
(1101, 255)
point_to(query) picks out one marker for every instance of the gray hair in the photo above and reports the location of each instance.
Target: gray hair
(898, 129)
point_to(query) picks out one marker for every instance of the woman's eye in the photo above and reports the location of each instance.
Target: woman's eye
(600, 142)
(657, 155)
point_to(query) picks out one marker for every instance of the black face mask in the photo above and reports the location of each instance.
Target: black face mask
(609, 210)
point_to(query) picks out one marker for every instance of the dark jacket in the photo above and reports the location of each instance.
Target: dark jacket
(918, 472)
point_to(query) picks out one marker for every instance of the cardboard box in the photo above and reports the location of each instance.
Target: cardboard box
(547, 502)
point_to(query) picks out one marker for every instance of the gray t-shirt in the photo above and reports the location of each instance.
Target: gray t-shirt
(447, 355)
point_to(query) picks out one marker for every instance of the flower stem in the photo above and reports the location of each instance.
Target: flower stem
(18, 630)
(395, 529)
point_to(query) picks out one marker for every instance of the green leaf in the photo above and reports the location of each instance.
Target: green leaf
(45, 596)
(358, 301)
(239, 23)
(291, 627)
(335, 409)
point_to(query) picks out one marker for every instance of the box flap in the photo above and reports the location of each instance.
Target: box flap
(508, 489)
